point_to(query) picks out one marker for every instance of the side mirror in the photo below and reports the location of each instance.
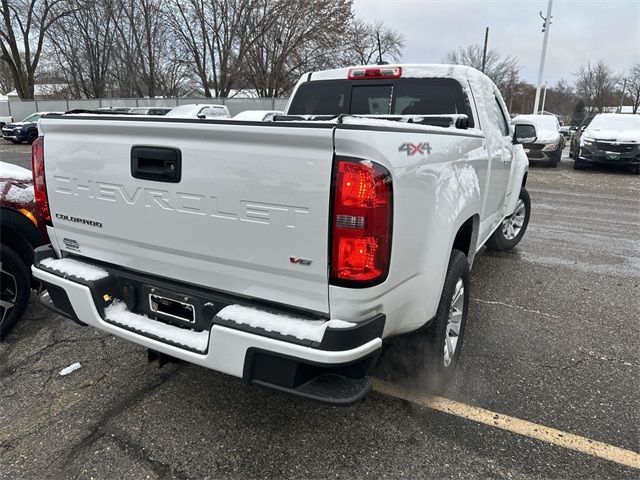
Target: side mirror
(583, 128)
(524, 134)
(202, 115)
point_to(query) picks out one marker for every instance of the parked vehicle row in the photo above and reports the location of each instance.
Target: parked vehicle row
(354, 217)
(27, 130)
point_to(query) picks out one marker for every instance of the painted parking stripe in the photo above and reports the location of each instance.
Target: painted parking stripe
(514, 425)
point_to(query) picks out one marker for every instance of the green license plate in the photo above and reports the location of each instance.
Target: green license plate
(612, 156)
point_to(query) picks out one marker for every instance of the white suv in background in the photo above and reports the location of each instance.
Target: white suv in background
(198, 110)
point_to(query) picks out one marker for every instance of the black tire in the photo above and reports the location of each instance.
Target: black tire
(31, 136)
(440, 365)
(500, 241)
(15, 288)
(577, 164)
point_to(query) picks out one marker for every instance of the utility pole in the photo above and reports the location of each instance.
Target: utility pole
(624, 87)
(544, 98)
(545, 29)
(379, 48)
(484, 52)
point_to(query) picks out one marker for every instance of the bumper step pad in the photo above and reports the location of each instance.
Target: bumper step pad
(330, 388)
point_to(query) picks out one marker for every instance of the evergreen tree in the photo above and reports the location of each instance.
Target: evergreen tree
(578, 114)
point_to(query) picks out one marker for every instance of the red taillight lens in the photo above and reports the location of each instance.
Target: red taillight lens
(374, 73)
(361, 221)
(39, 184)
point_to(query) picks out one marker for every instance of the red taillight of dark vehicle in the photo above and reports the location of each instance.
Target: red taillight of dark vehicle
(39, 184)
(361, 221)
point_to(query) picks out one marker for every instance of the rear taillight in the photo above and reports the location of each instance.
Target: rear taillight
(39, 183)
(370, 73)
(361, 220)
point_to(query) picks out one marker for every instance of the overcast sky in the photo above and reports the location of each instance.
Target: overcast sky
(582, 30)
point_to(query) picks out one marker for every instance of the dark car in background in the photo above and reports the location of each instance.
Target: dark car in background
(575, 138)
(610, 139)
(24, 131)
(22, 229)
(548, 143)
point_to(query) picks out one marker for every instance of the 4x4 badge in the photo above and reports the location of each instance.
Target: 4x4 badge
(414, 148)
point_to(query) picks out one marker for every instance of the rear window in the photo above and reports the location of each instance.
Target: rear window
(404, 96)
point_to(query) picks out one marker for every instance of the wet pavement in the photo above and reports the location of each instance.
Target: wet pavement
(552, 338)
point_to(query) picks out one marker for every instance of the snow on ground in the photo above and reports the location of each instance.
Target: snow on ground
(73, 267)
(296, 327)
(118, 313)
(70, 369)
(15, 172)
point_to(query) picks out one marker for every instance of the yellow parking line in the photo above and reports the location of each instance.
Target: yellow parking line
(512, 424)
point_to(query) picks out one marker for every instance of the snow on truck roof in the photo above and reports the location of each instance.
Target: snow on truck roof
(412, 70)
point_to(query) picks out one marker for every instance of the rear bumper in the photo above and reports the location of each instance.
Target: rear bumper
(333, 370)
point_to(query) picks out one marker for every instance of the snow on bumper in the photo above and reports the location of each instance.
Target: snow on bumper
(227, 347)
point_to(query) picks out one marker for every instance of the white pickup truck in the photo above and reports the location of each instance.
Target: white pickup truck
(284, 252)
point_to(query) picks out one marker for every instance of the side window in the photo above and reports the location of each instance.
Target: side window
(205, 111)
(320, 98)
(500, 118)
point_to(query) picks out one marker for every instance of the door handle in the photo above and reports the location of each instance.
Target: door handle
(158, 164)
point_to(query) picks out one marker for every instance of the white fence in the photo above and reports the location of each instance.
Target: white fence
(21, 109)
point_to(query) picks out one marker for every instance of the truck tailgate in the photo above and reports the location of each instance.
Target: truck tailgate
(249, 214)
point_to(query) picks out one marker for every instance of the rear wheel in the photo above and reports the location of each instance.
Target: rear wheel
(509, 234)
(445, 333)
(15, 289)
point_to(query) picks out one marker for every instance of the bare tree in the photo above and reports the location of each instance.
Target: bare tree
(633, 86)
(83, 43)
(141, 36)
(6, 78)
(367, 43)
(501, 69)
(24, 26)
(189, 25)
(303, 36)
(561, 99)
(595, 84)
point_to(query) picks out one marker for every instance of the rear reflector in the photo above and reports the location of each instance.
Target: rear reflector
(371, 73)
(39, 184)
(361, 221)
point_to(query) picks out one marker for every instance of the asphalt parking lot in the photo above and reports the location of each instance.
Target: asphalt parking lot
(552, 339)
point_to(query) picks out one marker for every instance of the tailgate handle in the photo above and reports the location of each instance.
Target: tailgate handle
(159, 164)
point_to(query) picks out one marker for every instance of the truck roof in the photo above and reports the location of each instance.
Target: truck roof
(409, 70)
